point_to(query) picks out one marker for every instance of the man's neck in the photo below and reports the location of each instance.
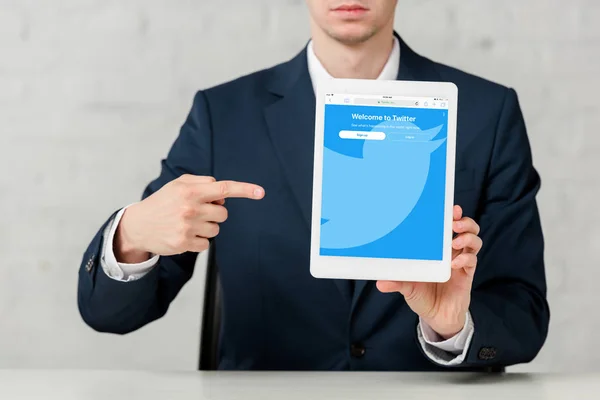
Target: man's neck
(361, 61)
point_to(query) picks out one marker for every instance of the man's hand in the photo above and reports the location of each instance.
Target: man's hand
(180, 217)
(444, 306)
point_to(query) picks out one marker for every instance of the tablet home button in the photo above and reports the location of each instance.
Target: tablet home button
(357, 350)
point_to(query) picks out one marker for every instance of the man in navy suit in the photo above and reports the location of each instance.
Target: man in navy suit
(240, 175)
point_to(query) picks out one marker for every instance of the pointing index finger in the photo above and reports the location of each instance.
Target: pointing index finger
(231, 189)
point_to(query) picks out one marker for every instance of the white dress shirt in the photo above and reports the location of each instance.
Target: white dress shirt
(444, 352)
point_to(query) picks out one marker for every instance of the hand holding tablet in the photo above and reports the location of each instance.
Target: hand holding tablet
(383, 180)
(443, 306)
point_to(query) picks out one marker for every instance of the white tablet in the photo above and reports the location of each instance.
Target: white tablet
(383, 187)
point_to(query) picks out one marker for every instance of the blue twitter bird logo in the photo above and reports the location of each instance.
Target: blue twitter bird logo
(360, 204)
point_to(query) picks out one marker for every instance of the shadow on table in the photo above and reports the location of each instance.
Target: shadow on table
(487, 379)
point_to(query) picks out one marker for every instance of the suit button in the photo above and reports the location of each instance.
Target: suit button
(89, 265)
(357, 350)
(487, 353)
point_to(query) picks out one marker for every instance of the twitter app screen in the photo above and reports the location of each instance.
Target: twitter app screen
(384, 169)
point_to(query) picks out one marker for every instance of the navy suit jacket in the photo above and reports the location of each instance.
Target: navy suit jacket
(275, 315)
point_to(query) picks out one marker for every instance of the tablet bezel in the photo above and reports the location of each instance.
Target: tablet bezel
(365, 268)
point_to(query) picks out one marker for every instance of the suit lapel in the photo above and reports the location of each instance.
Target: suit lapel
(291, 124)
(412, 67)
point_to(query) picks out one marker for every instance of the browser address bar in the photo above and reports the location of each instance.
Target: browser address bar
(382, 102)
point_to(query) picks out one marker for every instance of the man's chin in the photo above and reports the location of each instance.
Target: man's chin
(352, 35)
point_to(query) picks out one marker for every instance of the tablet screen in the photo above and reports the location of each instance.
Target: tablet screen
(384, 176)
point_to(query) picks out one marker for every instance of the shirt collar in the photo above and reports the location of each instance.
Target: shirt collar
(318, 73)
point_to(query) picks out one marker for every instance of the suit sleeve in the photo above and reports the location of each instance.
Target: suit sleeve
(108, 305)
(508, 303)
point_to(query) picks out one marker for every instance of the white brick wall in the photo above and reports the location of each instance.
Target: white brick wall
(92, 93)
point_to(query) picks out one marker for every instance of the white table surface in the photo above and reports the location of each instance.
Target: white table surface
(116, 385)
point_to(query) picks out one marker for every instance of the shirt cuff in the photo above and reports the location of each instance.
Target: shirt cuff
(121, 271)
(446, 352)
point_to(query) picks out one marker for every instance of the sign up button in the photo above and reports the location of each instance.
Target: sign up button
(364, 135)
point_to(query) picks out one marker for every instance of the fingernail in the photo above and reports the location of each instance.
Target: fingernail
(459, 225)
(258, 192)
